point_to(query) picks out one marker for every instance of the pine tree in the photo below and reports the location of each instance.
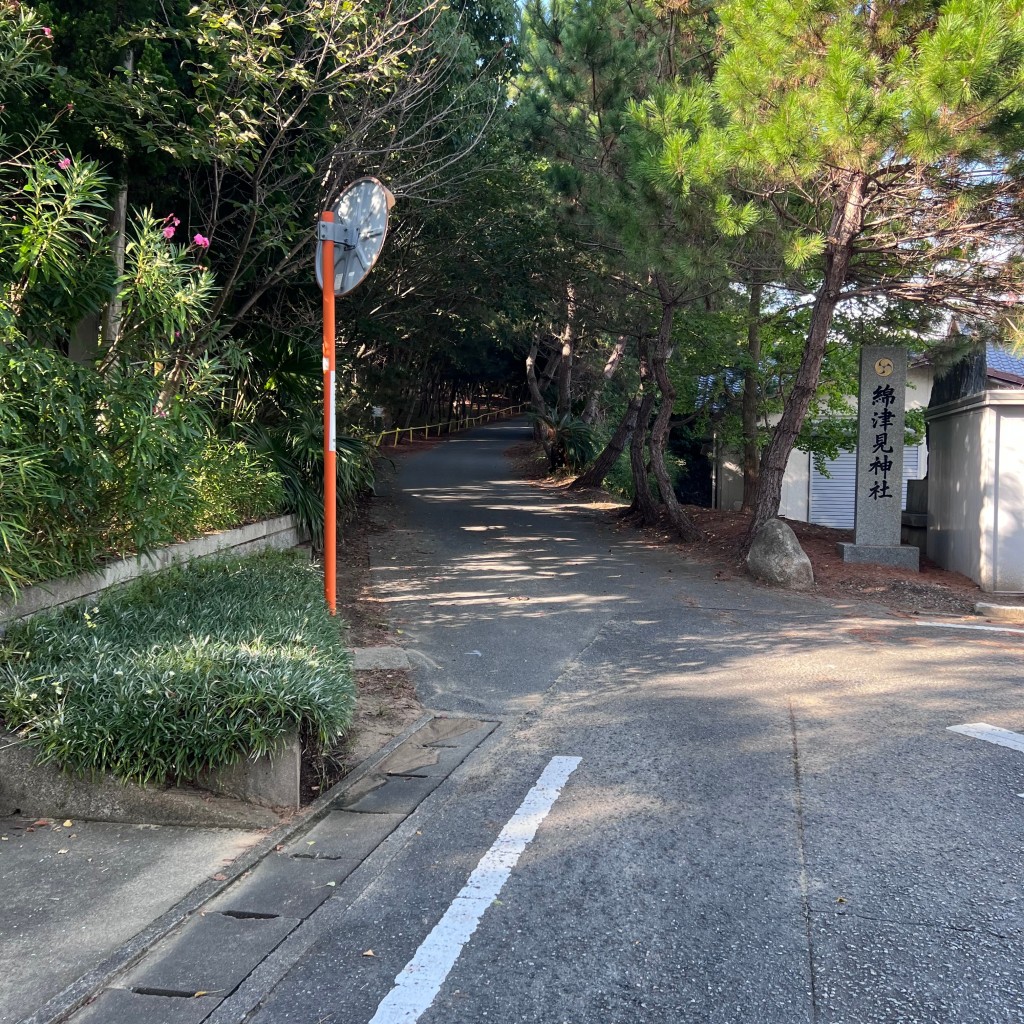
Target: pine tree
(592, 62)
(882, 140)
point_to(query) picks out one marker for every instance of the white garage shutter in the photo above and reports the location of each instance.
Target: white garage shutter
(911, 468)
(832, 498)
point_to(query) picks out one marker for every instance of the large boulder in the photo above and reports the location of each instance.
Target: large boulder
(777, 558)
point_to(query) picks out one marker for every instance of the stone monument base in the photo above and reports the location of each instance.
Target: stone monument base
(904, 556)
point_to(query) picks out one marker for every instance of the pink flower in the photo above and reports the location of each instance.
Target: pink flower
(65, 163)
(169, 232)
(176, 221)
(48, 32)
(202, 241)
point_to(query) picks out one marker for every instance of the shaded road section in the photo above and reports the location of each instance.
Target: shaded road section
(769, 821)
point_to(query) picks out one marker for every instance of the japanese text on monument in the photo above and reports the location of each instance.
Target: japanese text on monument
(882, 418)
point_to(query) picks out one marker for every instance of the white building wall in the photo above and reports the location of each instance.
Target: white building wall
(729, 483)
(795, 484)
(976, 489)
(919, 386)
(796, 487)
(1008, 570)
(955, 492)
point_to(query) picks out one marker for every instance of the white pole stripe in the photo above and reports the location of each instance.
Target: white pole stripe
(421, 979)
(991, 734)
(964, 625)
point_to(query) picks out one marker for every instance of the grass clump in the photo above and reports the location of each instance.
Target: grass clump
(190, 669)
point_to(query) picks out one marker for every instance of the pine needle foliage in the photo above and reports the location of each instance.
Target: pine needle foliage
(878, 142)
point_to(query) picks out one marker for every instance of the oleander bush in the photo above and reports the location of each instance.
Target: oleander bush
(88, 471)
(190, 669)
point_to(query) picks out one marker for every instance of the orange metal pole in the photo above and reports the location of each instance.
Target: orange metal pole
(330, 465)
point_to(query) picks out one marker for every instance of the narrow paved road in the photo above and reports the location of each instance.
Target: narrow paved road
(769, 821)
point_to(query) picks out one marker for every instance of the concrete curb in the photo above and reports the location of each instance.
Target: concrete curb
(386, 658)
(72, 998)
(1002, 612)
(280, 532)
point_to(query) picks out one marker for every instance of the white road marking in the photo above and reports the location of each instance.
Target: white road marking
(991, 734)
(421, 979)
(964, 625)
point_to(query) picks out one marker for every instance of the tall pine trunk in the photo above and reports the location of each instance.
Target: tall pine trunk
(614, 360)
(642, 500)
(565, 366)
(540, 407)
(847, 222)
(602, 465)
(752, 398)
(681, 522)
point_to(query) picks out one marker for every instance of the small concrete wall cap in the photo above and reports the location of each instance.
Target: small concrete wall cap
(777, 558)
(388, 658)
(1002, 612)
(281, 532)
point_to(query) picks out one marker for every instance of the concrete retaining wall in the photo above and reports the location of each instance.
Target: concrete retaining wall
(44, 791)
(281, 533)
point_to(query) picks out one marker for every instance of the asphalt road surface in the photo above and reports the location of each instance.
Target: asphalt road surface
(706, 801)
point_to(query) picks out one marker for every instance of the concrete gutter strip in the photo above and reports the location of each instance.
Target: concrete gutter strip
(281, 532)
(77, 994)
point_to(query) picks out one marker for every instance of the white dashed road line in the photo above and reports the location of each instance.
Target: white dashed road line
(991, 734)
(422, 977)
(964, 625)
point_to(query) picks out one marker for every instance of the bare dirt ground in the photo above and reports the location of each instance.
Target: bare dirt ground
(386, 701)
(932, 591)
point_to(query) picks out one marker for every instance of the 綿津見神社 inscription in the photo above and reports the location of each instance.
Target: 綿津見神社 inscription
(879, 488)
(882, 419)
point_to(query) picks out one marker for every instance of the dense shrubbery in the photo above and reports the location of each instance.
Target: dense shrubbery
(187, 670)
(89, 469)
(287, 429)
(107, 444)
(232, 484)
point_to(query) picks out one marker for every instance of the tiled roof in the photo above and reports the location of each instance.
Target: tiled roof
(1002, 360)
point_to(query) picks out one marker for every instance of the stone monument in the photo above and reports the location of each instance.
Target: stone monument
(879, 488)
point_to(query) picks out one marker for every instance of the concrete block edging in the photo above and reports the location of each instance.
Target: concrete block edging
(280, 533)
